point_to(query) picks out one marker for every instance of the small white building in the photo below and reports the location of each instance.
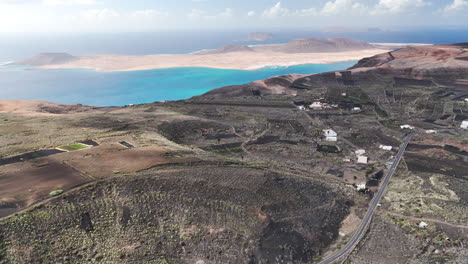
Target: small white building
(356, 108)
(343, 94)
(362, 159)
(385, 147)
(423, 224)
(301, 107)
(406, 127)
(316, 105)
(361, 187)
(431, 131)
(330, 135)
(360, 152)
(466, 99)
(464, 124)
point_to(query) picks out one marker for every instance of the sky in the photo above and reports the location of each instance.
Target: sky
(159, 15)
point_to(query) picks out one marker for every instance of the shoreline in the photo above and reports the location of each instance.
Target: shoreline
(229, 61)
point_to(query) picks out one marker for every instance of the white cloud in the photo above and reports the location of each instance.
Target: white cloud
(457, 5)
(68, 2)
(197, 13)
(201, 14)
(397, 6)
(100, 14)
(148, 13)
(307, 12)
(351, 8)
(251, 13)
(228, 12)
(276, 11)
(343, 7)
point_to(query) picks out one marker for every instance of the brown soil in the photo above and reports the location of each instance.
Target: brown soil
(111, 157)
(24, 184)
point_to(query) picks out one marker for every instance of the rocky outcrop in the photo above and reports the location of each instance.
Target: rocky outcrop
(47, 59)
(274, 85)
(436, 61)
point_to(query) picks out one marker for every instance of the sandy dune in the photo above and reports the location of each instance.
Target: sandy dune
(233, 60)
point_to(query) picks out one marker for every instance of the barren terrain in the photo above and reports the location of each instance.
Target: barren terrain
(244, 174)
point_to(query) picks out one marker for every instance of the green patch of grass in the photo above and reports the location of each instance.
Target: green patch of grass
(73, 147)
(55, 193)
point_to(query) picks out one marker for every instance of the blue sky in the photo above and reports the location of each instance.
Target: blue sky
(156, 15)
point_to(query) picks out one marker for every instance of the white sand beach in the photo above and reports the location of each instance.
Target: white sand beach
(242, 60)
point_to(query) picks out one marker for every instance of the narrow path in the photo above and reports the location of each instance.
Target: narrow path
(428, 220)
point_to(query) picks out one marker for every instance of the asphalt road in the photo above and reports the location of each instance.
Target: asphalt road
(357, 236)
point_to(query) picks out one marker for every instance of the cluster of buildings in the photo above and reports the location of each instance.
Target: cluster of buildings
(321, 106)
(332, 136)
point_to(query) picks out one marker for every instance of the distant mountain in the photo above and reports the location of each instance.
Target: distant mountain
(227, 49)
(312, 45)
(350, 29)
(47, 59)
(317, 45)
(259, 36)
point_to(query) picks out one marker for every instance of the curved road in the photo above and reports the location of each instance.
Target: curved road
(357, 236)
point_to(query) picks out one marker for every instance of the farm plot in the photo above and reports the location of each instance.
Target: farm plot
(23, 184)
(111, 158)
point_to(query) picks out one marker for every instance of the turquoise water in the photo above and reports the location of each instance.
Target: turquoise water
(135, 87)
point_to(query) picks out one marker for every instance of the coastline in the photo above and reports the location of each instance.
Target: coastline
(229, 61)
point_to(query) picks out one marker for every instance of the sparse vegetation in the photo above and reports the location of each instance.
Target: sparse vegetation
(73, 147)
(55, 193)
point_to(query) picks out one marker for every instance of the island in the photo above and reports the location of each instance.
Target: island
(297, 52)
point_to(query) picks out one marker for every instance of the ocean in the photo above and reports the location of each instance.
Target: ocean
(70, 86)
(121, 88)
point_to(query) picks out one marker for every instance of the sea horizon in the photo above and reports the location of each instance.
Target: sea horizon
(14, 47)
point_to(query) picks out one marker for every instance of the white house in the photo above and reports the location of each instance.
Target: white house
(301, 107)
(431, 131)
(385, 147)
(330, 135)
(360, 152)
(343, 94)
(356, 108)
(466, 99)
(406, 127)
(464, 124)
(361, 187)
(423, 224)
(316, 105)
(362, 159)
